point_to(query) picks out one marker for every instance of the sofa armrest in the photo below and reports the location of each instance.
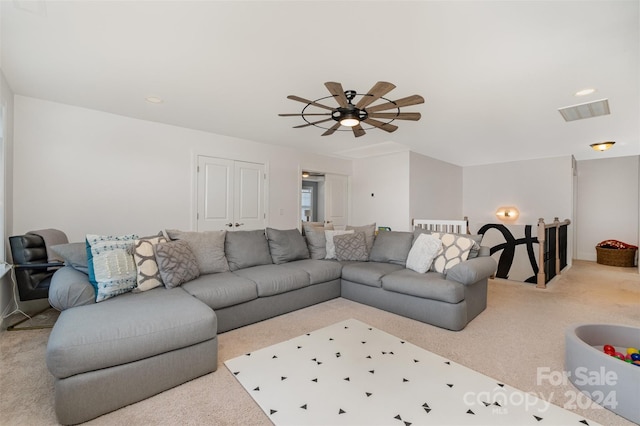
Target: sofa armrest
(472, 270)
(70, 287)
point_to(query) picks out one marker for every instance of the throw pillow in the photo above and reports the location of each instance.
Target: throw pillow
(369, 233)
(475, 250)
(330, 246)
(176, 262)
(148, 275)
(207, 247)
(455, 249)
(247, 248)
(286, 246)
(351, 247)
(112, 270)
(424, 250)
(316, 240)
(391, 247)
(74, 255)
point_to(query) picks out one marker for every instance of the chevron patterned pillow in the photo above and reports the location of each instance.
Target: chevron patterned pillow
(176, 262)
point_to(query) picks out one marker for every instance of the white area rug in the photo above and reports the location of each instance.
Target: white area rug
(353, 374)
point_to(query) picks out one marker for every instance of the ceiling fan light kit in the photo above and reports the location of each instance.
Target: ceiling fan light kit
(352, 115)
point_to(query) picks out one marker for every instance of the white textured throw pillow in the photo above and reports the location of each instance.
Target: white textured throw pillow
(424, 250)
(331, 247)
(455, 249)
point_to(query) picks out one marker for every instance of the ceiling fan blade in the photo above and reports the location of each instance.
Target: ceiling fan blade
(414, 116)
(302, 115)
(378, 90)
(380, 125)
(338, 92)
(358, 131)
(311, 124)
(306, 101)
(331, 130)
(409, 100)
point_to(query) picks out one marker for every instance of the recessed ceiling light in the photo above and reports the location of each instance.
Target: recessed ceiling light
(154, 99)
(584, 92)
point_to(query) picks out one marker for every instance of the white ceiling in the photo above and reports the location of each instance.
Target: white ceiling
(493, 73)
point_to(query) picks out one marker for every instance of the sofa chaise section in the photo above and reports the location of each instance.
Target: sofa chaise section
(108, 355)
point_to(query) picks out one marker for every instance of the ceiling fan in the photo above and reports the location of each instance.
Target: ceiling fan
(352, 115)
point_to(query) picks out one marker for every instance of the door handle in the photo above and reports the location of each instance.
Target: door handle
(228, 224)
(239, 224)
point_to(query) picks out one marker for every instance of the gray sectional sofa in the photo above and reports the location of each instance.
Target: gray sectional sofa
(106, 355)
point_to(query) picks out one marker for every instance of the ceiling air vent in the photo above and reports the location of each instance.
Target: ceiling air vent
(586, 110)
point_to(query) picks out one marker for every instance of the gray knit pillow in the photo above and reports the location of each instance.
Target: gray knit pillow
(351, 247)
(176, 262)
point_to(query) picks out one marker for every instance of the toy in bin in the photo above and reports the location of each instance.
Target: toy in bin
(630, 355)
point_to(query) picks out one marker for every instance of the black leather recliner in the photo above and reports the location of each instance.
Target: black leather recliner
(32, 269)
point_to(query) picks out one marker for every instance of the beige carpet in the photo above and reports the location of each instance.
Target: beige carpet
(521, 330)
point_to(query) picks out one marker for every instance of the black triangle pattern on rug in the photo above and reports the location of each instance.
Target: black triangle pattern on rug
(320, 373)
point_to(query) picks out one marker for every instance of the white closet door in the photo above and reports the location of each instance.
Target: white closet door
(336, 199)
(230, 195)
(215, 194)
(249, 196)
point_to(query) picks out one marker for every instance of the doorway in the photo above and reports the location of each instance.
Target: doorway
(324, 198)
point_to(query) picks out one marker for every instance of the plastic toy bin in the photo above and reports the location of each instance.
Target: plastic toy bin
(608, 381)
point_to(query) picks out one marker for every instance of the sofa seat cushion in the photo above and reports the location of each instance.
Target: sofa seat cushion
(320, 271)
(127, 328)
(274, 279)
(431, 285)
(222, 290)
(368, 273)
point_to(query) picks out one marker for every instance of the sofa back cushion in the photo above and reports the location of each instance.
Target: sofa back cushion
(245, 249)
(317, 243)
(391, 247)
(207, 247)
(286, 246)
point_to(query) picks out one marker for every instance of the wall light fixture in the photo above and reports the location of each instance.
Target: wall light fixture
(507, 213)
